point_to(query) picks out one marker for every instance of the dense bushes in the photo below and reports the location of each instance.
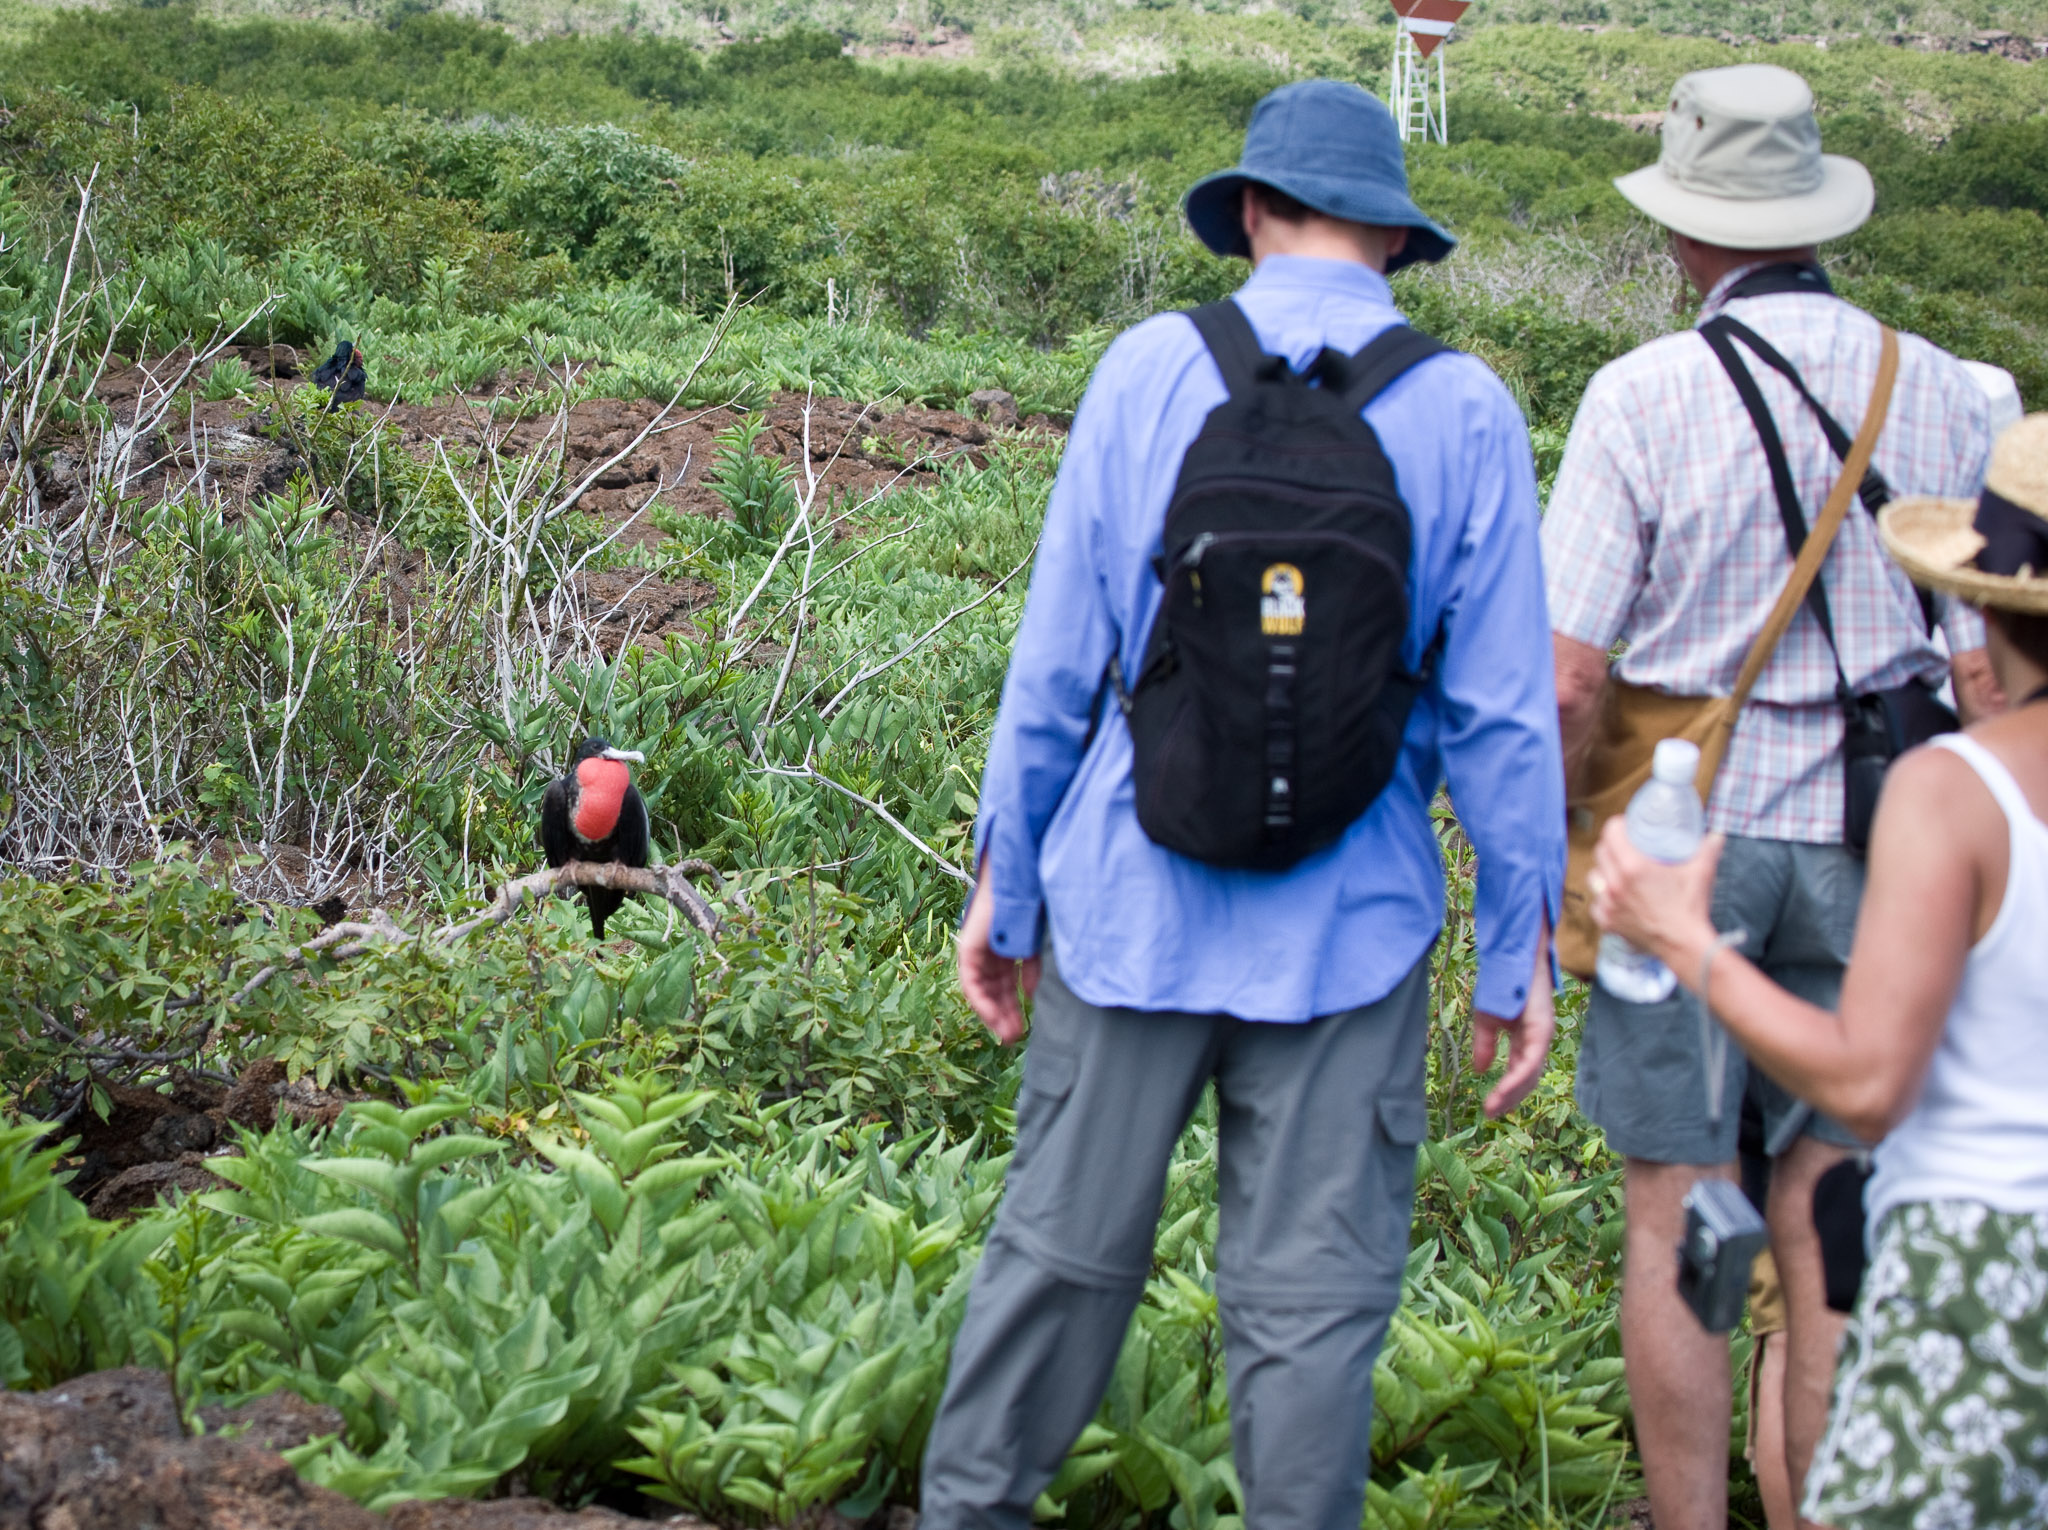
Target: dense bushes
(755, 1317)
(1021, 202)
(698, 1214)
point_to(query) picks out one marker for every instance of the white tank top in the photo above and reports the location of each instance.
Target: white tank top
(1980, 1130)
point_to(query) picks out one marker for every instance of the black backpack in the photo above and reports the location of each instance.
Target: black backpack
(1269, 708)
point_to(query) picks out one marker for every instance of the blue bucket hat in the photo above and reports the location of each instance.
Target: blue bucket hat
(1330, 146)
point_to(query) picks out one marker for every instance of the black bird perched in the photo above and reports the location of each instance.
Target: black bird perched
(342, 374)
(594, 812)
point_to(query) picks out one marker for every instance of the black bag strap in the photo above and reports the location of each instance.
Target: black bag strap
(1797, 276)
(1803, 277)
(1232, 341)
(1873, 491)
(1382, 359)
(1789, 511)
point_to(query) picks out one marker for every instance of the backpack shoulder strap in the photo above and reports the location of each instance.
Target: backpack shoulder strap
(1383, 358)
(1235, 345)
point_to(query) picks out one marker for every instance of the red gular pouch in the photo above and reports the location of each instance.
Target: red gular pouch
(601, 787)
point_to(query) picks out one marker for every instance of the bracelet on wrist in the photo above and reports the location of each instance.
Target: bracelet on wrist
(1719, 944)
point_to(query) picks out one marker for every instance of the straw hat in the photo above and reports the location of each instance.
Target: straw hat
(1991, 551)
(1742, 166)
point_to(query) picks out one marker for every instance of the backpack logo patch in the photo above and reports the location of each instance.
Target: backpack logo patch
(1282, 606)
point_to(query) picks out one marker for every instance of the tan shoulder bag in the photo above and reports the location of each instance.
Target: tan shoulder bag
(1633, 718)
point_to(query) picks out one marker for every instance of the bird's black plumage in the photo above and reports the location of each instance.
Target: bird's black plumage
(625, 843)
(342, 374)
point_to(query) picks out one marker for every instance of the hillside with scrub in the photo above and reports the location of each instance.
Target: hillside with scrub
(717, 370)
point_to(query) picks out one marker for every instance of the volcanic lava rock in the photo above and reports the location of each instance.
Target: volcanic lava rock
(998, 406)
(104, 1452)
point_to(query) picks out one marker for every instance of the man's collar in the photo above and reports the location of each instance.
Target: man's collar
(1717, 299)
(1319, 275)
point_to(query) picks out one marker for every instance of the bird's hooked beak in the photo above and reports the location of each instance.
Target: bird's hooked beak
(629, 756)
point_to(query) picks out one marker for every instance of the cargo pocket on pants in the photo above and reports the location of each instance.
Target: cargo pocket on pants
(1403, 1121)
(1050, 1066)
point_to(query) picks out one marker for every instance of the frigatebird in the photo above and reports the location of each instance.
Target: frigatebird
(342, 374)
(594, 812)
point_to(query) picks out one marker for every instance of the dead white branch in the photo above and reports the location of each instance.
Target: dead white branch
(809, 772)
(925, 637)
(378, 929)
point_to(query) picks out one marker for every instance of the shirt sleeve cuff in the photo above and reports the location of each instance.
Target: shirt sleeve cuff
(1013, 931)
(1506, 971)
(1503, 987)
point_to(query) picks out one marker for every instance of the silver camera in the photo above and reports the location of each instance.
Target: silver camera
(1723, 1235)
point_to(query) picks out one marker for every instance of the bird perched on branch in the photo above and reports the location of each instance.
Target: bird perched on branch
(342, 374)
(594, 812)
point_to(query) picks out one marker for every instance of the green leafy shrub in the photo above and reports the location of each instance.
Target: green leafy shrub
(228, 378)
(719, 228)
(72, 1296)
(755, 487)
(756, 1330)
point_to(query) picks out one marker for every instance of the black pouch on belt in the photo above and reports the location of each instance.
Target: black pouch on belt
(1838, 1220)
(1879, 727)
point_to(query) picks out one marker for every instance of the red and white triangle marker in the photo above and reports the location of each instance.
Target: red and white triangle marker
(1429, 21)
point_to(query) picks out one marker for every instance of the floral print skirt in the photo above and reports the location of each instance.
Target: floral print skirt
(1940, 1417)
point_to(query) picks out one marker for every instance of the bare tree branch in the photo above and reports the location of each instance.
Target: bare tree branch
(352, 938)
(925, 637)
(809, 772)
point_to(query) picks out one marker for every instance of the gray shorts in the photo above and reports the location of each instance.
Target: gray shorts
(1642, 1069)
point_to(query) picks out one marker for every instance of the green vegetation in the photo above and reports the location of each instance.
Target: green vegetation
(733, 1277)
(690, 1212)
(450, 197)
(1124, 38)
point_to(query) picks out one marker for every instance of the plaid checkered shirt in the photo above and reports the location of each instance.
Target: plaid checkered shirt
(1663, 533)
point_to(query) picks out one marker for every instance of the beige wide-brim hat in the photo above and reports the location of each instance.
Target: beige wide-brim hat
(1742, 166)
(1935, 540)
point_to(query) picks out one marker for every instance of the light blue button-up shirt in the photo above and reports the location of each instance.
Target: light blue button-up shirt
(1138, 926)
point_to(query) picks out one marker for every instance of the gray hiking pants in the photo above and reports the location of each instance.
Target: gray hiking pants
(1319, 1124)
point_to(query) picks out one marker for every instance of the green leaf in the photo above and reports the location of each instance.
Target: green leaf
(396, 1186)
(359, 1226)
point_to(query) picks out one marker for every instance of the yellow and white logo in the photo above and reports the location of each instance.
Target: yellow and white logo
(1282, 608)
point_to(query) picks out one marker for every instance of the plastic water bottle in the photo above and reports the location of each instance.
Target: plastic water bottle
(1666, 822)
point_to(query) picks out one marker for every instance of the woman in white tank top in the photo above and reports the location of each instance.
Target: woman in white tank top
(1939, 1053)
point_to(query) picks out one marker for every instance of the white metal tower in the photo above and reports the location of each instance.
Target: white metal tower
(1415, 92)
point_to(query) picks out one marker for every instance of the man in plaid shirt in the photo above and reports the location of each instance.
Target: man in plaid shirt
(1664, 536)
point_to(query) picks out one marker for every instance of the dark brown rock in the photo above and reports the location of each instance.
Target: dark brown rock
(174, 1135)
(130, 1400)
(142, 1126)
(104, 1452)
(509, 1514)
(278, 361)
(998, 406)
(253, 1100)
(141, 1187)
(623, 475)
(275, 1421)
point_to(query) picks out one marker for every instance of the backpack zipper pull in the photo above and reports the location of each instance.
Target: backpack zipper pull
(1191, 560)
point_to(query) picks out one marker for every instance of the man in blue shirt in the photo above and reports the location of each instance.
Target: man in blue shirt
(1302, 993)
